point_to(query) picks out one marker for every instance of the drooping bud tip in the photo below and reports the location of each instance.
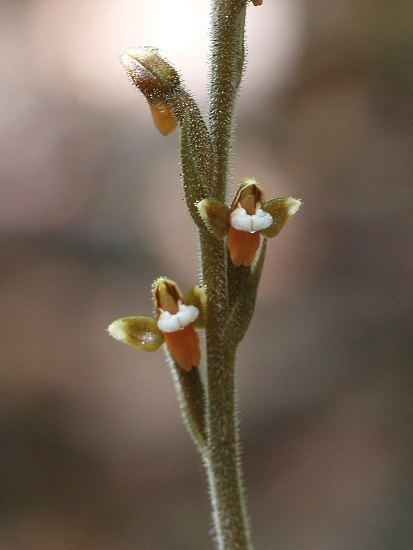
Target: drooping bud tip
(127, 59)
(150, 72)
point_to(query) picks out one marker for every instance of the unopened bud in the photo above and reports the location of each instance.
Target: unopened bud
(151, 73)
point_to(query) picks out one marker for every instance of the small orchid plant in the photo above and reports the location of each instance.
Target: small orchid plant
(232, 241)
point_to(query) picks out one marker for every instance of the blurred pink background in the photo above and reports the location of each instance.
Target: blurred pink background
(93, 453)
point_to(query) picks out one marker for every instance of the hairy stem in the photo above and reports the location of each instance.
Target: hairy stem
(191, 399)
(222, 459)
(227, 62)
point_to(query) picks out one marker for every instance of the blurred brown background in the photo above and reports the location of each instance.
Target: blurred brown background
(93, 454)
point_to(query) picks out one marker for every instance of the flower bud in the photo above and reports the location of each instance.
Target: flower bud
(157, 80)
(150, 72)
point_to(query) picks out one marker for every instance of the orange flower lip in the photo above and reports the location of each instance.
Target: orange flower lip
(175, 320)
(183, 345)
(242, 246)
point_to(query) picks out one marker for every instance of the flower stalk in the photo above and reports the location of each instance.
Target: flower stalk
(223, 463)
(227, 65)
(232, 241)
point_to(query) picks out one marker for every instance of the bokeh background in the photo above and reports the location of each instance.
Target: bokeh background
(93, 454)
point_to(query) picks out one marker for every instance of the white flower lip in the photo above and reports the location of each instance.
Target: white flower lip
(171, 322)
(244, 222)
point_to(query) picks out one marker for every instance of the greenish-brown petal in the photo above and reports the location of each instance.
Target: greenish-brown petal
(197, 297)
(281, 210)
(215, 215)
(140, 332)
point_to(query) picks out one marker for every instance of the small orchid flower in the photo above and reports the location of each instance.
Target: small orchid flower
(175, 320)
(249, 217)
(173, 324)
